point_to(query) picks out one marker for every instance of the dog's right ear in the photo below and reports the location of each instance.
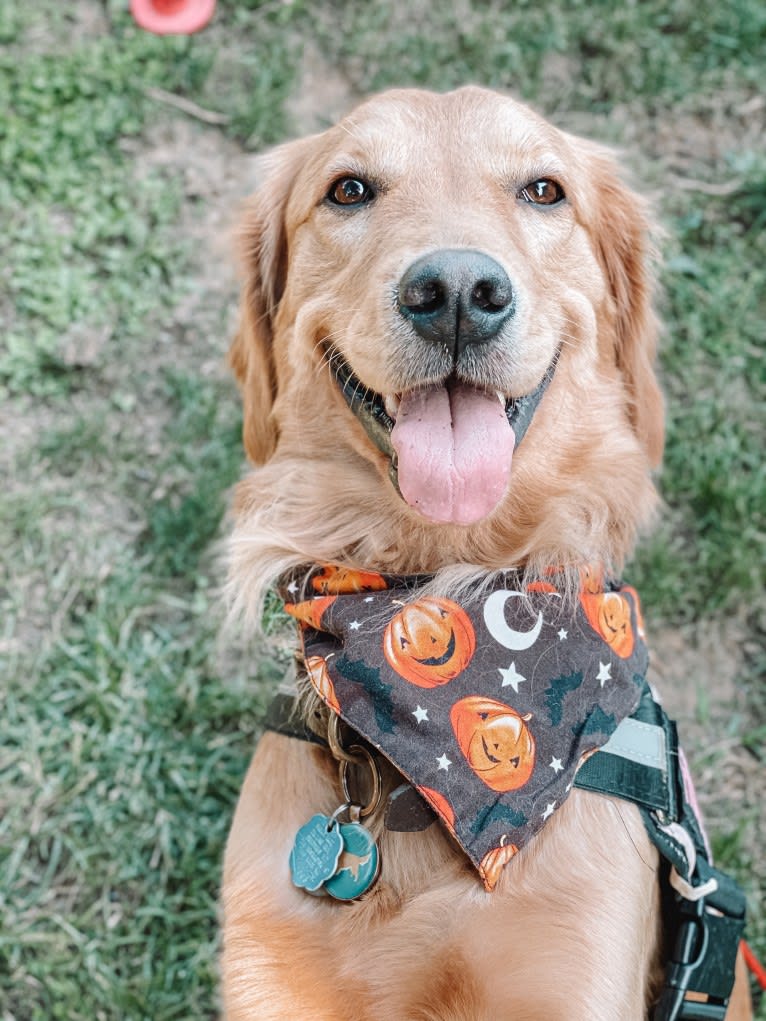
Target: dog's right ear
(263, 255)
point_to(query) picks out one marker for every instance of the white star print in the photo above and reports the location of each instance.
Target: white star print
(355, 625)
(292, 588)
(420, 714)
(444, 763)
(604, 672)
(549, 809)
(368, 599)
(562, 634)
(555, 765)
(511, 677)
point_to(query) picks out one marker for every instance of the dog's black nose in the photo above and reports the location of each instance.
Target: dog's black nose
(456, 297)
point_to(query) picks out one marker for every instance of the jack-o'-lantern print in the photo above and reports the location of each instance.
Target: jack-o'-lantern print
(609, 615)
(542, 586)
(429, 642)
(440, 805)
(495, 741)
(316, 668)
(639, 614)
(591, 580)
(310, 611)
(494, 861)
(335, 580)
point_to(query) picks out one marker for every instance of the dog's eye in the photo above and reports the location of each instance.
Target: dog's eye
(350, 191)
(544, 192)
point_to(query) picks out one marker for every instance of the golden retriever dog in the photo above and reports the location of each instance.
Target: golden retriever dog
(440, 255)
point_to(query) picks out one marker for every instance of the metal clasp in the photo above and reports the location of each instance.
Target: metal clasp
(702, 962)
(365, 796)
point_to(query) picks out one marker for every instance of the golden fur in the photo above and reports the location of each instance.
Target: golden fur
(428, 942)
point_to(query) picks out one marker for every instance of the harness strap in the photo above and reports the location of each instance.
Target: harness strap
(283, 717)
(641, 763)
(634, 764)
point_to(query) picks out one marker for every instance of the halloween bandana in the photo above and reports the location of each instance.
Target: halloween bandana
(488, 705)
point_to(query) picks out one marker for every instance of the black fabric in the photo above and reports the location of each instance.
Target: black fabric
(487, 706)
(283, 716)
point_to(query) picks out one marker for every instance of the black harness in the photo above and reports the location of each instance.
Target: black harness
(704, 909)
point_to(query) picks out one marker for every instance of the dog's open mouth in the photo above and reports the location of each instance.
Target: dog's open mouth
(450, 445)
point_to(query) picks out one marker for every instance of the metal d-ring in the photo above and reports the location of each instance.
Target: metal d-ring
(362, 755)
(337, 749)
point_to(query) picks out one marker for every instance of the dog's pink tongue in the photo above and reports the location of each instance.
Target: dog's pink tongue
(454, 448)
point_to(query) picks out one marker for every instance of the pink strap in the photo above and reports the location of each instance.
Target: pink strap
(691, 797)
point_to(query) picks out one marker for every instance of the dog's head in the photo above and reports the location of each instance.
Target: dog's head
(447, 304)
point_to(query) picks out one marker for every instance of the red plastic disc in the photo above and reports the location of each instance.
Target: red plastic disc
(172, 17)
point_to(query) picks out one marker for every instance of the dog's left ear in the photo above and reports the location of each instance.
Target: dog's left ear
(621, 230)
(263, 246)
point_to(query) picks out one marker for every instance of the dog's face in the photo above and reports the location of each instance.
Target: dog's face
(427, 282)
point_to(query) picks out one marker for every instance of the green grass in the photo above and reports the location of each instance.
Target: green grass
(85, 242)
(714, 542)
(124, 768)
(205, 462)
(613, 52)
(127, 724)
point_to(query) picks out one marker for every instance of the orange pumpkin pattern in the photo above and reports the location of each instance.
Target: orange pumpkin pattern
(490, 728)
(541, 586)
(429, 642)
(608, 613)
(335, 580)
(495, 741)
(629, 590)
(316, 668)
(310, 611)
(440, 805)
(494, 861)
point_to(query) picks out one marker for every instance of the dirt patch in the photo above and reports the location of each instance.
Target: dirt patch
(703, 146)
(73, 517)
(74, 22)
(699, 672)
(324, 94)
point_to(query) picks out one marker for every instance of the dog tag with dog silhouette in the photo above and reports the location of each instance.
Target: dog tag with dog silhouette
(316, 852)
(358, 866)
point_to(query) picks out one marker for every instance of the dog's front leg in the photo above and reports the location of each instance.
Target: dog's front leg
(276, 962)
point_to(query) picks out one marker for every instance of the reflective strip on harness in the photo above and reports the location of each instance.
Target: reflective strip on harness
(706, 909)
(639, 742)
(641, 763)
(635, 763)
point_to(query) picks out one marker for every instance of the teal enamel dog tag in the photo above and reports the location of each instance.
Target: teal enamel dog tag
(358, 866)
(317, 849)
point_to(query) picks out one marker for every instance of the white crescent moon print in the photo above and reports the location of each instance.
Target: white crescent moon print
(494, 618)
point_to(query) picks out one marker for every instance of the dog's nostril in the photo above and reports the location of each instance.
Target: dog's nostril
(489, 296)
(424, 296)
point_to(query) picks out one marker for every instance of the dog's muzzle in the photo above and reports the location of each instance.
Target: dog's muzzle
(370, 410)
